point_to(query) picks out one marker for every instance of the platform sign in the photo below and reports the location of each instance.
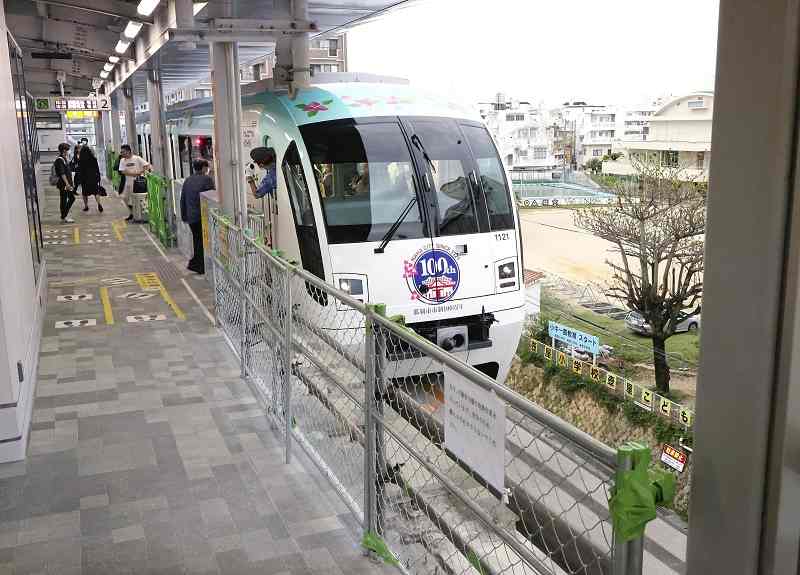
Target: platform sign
(673, 458)
(574, 337)
(94, 103)
(474, 427)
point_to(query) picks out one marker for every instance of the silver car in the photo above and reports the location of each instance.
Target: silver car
(636, 323)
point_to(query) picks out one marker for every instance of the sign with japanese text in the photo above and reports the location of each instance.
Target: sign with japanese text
(474, 428)
(574, 337)
(674, 458)
(95, 103)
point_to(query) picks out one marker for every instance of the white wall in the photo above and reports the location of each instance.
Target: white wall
(19, 305)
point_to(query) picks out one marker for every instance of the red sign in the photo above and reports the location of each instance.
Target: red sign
(674, 458)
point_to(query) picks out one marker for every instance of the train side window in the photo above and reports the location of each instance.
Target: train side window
(492, 177)
(305, 223)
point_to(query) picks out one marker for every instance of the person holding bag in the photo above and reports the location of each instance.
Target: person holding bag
(133, 168)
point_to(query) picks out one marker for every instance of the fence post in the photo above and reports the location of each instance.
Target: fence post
(370, 360)
(287, 363)
(380, 443)
(245, 307)
(628, 555)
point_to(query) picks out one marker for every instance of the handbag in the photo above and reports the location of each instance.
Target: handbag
(140, 185)
(101, 191)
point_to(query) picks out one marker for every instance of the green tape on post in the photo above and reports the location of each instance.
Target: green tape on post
(374, 543)
(637, 491)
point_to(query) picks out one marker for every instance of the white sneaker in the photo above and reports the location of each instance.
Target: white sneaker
(68, 220)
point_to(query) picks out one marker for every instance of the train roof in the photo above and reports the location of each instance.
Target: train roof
(340, 100)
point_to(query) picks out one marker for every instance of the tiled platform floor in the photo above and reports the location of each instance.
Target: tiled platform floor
(147, 453)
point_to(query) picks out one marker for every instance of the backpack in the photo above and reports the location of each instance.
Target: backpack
(54, 177)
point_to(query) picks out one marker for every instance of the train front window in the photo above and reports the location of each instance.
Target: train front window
(365, 178)
(493, 181)
(450, 164)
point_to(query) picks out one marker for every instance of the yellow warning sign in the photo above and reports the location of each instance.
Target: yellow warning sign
(548, 353)
(562, 359)
(686, 417)
(611, 380)
(577, 366)
(665, 406)
(594, 373)
(534, 346)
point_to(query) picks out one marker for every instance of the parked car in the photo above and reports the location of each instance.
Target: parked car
(636, 323)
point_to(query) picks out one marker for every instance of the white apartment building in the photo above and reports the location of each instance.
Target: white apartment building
(679, 135)
(522, 133)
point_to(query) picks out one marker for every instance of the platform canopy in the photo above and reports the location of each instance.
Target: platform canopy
(66, 43)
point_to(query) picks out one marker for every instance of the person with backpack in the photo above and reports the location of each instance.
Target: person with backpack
(61, 177)
(90, 177)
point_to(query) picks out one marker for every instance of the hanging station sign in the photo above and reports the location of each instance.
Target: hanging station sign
(56, 104)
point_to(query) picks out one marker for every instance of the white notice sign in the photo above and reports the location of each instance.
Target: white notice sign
(474, 428)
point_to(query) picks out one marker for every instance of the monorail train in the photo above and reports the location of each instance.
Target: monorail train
(392, 195)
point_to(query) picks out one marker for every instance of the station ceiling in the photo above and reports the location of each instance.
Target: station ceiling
(76, 37)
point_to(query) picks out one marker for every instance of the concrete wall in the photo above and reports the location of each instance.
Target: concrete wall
(20, 309)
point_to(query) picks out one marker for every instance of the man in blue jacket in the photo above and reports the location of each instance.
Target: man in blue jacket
(195, 185)
(265, 158)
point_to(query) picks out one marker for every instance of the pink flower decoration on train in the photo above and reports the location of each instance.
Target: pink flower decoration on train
(314, 108)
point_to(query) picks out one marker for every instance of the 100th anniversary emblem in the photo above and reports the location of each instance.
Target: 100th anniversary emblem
(432, 274)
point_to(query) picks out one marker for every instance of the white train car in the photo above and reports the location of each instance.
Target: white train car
(393, 195)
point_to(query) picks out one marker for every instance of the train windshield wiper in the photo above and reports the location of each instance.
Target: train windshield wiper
(392, 230)
(421, 147)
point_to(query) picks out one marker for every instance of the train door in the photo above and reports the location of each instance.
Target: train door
(456, 268)
(184, 156)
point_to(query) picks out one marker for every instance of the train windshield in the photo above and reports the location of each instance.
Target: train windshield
(365, 177)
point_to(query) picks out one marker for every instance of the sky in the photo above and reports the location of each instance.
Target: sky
(602, 52)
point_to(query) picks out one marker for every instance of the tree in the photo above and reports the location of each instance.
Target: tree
(594, 165)
(657, 224)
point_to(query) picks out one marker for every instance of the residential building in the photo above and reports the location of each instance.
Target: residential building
(325, 55)
(679, 135)
(522, 133)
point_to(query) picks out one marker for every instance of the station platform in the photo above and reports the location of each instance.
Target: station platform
(147, 452)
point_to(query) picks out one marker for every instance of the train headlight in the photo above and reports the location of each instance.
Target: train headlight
(506, 271)
(352, 286)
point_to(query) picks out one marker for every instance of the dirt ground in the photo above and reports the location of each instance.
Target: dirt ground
(553, 244)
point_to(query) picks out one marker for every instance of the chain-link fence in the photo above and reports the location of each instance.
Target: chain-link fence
(446, 471)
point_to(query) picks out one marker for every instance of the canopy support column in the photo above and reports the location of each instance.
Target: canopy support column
(227, 129)
(130, 117)
(158, 127)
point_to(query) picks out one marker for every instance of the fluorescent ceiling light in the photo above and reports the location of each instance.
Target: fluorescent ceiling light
(146, 7)
(122, 46)
(108, 67)
(113, 59)
(198, 6)
(104, 74)
(132, 29)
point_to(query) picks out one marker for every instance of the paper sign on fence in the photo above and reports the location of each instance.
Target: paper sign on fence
(474, 427)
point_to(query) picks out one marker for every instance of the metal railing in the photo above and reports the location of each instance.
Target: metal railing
(364, 397)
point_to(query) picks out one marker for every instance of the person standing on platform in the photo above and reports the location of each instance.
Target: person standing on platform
(265, 158)
(131, 166)
(193, 186)
(90, 177)
(66, 190)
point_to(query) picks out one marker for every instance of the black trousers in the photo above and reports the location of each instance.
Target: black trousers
(66, 200)
(197, 263)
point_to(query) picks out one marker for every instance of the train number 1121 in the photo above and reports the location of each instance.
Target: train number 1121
(502, 236)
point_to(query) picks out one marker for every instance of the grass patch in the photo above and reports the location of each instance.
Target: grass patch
(683, 349)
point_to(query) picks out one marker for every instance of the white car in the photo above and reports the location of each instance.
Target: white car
(637, 324)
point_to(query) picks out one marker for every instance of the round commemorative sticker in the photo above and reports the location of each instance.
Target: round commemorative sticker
(434, 276)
